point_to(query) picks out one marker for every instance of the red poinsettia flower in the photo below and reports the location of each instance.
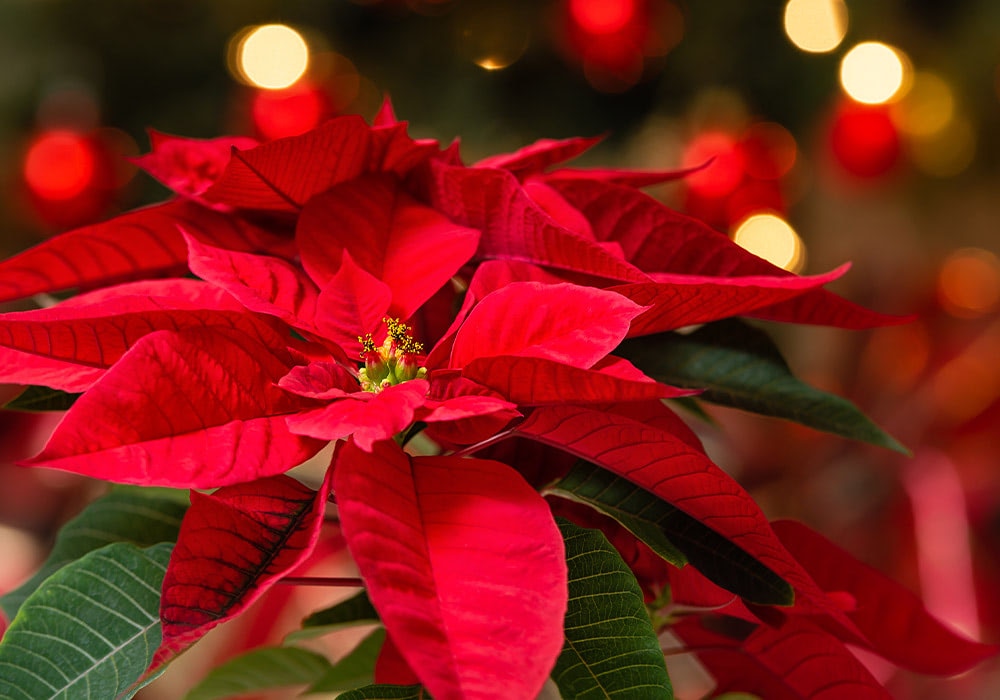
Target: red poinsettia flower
(326, 260)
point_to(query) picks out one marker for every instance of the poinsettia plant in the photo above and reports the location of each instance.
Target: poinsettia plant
(485, 361)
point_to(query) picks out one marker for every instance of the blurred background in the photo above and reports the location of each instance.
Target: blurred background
(863, 131)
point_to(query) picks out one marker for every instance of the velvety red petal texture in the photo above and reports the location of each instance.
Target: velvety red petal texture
(514, 227)
(658, 239)
(262, 283)
(629, 178)
(145, 242)
(189, 166)
(197, 408)
(464, 563)
(533, 381)
(675, 301)
(351, 304)
(405, 244)
(368, 417)
(320, 380)
(540, 155)
(233, 545)
(70, 347)
(284, 174)
(391, 667)
(893, 619)
(796, 662)
(561, 322)
(678, 473)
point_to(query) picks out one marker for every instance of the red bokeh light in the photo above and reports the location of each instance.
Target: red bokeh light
(723, 174)
(60, 165)
(602, 16)
(280, 113)
(864, 140)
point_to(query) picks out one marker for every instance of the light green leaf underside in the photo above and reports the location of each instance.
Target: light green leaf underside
(90, 630)
(127, 515)
(261, 669)
(738, 365)
(611, 650)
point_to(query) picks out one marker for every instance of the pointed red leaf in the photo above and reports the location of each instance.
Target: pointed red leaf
(70, 346)
(233, 546)
(675, 301)
(189, 166)
(391, 668)
(368, 417)
(386, 115)
(894, 620)
(796, 662)
(629, 178)
(532, 381)
(352, 304)
(658, 239)
(464, 563)
(540, 155)
(262, 283)
(567, 323)
(514, 227)
(409, 246)
(680, 474)
(320, 380)
(197, 408)
(284, 174)
(553, 204)
(144, 242)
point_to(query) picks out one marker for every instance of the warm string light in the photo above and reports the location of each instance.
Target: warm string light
(769, 236)
(815, 26)
(874, 73)
(270, 56)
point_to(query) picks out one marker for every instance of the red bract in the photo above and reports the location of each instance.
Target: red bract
(326, 260)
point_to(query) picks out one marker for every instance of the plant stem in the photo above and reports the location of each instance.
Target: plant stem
(344, 581)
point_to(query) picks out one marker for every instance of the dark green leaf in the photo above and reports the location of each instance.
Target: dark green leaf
(673, 534)
(124, 515)
(354, 669)
(386, 692)
(643, 514)
(611, 649)
(739, 366)
(90, 630)
(356, 610)
(260, 669)
(42, 398)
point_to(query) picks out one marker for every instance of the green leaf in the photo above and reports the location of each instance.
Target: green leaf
(739, 366)
(354, 669)
(356, 610)
(386, 692)
(673, 534)
(42, 398)
(123, 515)
(640, 512)
(611, 649)
(90, 630)
(260, 669)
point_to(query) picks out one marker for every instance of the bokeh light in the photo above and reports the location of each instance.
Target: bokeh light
(816, 26)
(864, 140)
(271, 56)
(928, 107)
(873, 73)
(770, 150)
(725, 171)
(947, 152)
(492, 37)
(969, 282)
(60, 165)
(280, 113)
(602, 16)
(769, 236)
